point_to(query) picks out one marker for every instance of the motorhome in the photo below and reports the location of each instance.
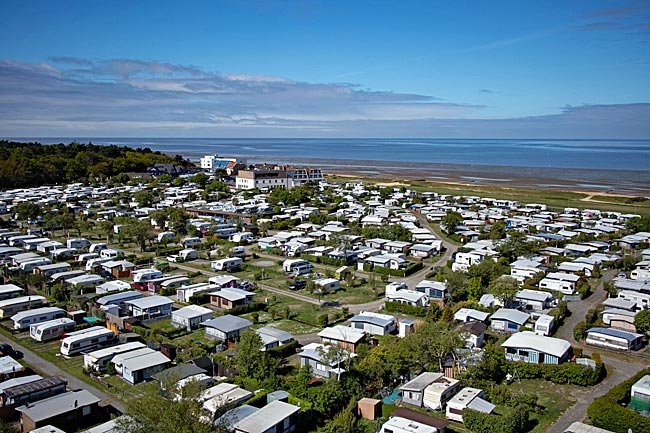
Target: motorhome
(25, 319)
(87, 342)
(231, 264)
(297, 266)
(51, 330)
(238, 252)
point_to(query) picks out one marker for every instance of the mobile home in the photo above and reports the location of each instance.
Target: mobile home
(97, 360)
(8, 291)
(78, 243)
(9, 307)
(96, 248)
(191, 242)
(30, 265)
(87, 342)
(51, 330)
(26, 318)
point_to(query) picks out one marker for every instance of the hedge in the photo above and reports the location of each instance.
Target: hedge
(568, 372)
(607, 412)
(258, 400)
(162, 252)
(411, 269)
(410, 310)
(200, 298)
(479, 422)
(243, 309)
(323, 260)
(285, 350)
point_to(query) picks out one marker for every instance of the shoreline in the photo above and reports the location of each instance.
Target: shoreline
(623, 183)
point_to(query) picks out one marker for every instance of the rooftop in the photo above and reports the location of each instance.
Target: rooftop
(57, 405)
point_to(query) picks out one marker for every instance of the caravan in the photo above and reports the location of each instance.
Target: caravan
(25, 319)
(76, 343)
(231, 264)
(51, 330)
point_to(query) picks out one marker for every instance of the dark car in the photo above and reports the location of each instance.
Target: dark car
(7, 350)
(298, 285)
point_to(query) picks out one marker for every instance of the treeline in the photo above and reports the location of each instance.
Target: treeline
(35, 164)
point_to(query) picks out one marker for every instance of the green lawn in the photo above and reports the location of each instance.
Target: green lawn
(554, 399)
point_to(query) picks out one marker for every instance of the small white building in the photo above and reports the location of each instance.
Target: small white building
(467, 398)
(191, 316)
(327, 285)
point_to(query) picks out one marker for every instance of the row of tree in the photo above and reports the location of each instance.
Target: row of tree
(35, 164)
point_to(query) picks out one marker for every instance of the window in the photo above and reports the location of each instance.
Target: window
(85, 411)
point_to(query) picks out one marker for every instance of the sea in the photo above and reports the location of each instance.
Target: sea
(601, 164)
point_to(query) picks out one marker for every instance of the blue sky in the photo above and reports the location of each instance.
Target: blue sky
(565, 69)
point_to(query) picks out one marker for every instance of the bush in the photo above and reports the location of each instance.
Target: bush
(200, 299)
(580, 331)
(480, 422)
(411, 269)
(567, 372)
(410, 310)
(243, 309)
(323, 320)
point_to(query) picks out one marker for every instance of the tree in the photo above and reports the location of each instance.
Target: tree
(143, 198)
(253, 363)
(642, 321)
(153, 412)
(580, 331)
(201, 179)
(432, 343)
(504, 289)
(498, 230)
(160, 217)
(450, 221)
(142, 231)
(28, 211)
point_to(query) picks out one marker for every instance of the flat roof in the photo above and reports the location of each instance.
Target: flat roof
(57, 405)
(192, 311)
(150, 302)
(342, 333)
(422, 381)
(145, 361)
(34, 386)
(267, 417)
(227, 323)
(511, 315)
(530, 340)
(629, 336)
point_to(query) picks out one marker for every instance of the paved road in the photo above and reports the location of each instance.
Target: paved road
(617, 372)
(579, 308)
(49, 369)
(619, 367)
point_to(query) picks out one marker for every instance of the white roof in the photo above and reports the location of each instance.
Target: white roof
(465, 313)
(397, 423)
(407, 295)
(35, 312)
(115, 350)
(534, 295)
(552, 346)
(150, 301)
(267, 417)
(192, 311)
(9, 365)
(342, 333)
(145, 361)
(510, 315)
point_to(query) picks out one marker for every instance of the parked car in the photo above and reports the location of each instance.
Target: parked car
(298, 285)
(7, 350)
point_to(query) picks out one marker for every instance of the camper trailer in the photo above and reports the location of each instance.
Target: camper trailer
(231, 264)
(297, 266)
(51, 330)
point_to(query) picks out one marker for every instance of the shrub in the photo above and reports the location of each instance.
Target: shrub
(410, 310)
(568, 372)
(243, 309)
(200, 299)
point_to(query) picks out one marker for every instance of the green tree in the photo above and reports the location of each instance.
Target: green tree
(153, 412)
(253, 363)
(160, 217)
(27, 211)
(142, 231)
(498, 230)
(580, 331)
(504, 289)
(450, 221)
(201, 179)
(642, 321)
(143, 198)
(432, 343)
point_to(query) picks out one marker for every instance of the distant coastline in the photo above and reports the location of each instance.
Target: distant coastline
(603, 166)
